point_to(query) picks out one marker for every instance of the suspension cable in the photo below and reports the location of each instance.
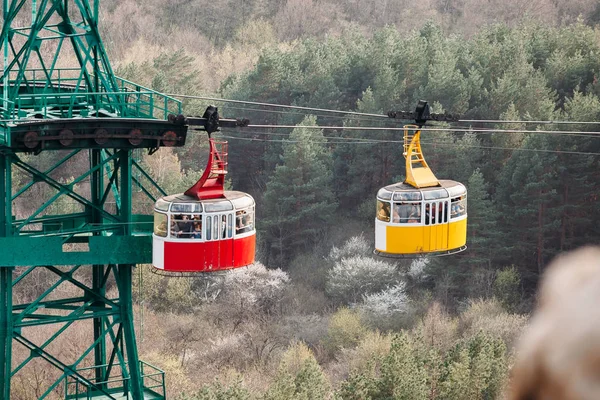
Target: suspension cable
(427, 129)
(279, 105)
(323, 115)
(548, 122)
(372, 141)
(379, 116)
(245, 131)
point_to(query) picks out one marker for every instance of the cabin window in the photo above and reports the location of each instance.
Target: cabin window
(383, 211)
(435, 194)
(230, 226)
(244, 220)
(436, 212)
(197, 230)
(208, 228)
(183, 207)
(160, 224)
(218, 206)
(182, 226)
(223, 226)
(216, 221)
(240, 203)
(458, 207)
(407, 213)
(162, 205)
(410, 196)
(384, 194)
(250, 219)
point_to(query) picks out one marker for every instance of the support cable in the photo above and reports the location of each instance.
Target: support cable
(427, 129)
(380, 116)
(256, 103)
(423, 142)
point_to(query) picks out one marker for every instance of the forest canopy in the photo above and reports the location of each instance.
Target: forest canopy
(319, 315)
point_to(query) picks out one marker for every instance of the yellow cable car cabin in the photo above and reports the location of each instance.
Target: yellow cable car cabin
(422, 215)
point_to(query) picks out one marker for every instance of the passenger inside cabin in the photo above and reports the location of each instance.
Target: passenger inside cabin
(224, 223)
(383, 213)
(184, 227)
(238, 222)
(197, 233)
(243, 222)
(414, 215)
(161, 229)
(401, 213)
(458, 207)
(396, 213)
(454, 208)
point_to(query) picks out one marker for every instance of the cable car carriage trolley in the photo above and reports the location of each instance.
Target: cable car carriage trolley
(422, 215)
(206, 228)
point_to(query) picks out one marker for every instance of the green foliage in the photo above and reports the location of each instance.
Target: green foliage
(507, 287)
(299, 201)
(482, 232)
(475, 369)
(299, 377)
(164, 293)
(491, 318)
(169, 72)
(530, 205)
(165, 168)
(175, 73)
(345, 329)
(219, 391)
(525, 205)
(403, 372)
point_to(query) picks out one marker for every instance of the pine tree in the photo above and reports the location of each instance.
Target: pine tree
(482, 237)
(360, 170)
(578, 175)
(527, 199)
(299, 201)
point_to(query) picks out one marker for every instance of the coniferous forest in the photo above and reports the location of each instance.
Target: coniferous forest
(320, 316)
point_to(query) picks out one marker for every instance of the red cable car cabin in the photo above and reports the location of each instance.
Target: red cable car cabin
(206, 228)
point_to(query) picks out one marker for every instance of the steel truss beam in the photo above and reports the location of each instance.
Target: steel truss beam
(94, 73)
(111, 359)
(111, 319)
(47, 108)
(108, 163)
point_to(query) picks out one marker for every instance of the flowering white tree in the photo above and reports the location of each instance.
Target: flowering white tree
(352, 278)
(389, 303)
(255, 286)
(355, 246)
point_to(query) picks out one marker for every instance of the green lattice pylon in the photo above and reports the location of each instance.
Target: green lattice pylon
(83, 115)
(69, 31)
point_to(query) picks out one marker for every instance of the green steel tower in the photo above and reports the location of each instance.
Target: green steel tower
(56, 119)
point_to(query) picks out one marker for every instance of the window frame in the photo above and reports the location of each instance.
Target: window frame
(441, 217)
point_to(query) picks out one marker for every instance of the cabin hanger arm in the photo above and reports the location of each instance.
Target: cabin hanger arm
(422, 114)
(210, 121)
